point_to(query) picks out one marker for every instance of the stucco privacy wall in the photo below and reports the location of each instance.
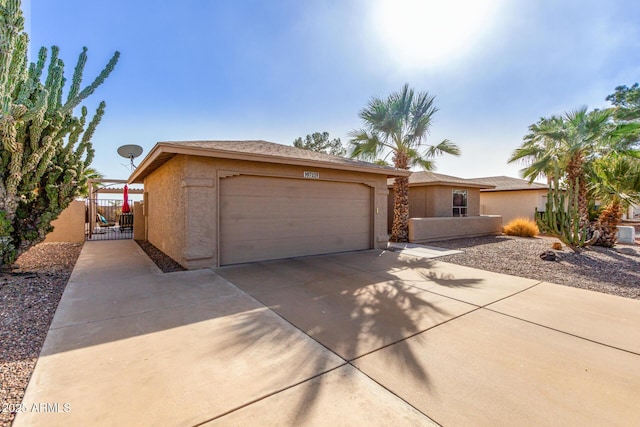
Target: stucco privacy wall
(139, 226)
(423, 230)
(435, 201)
(69, 226)
(197, 195)
(513, 204)
(164, 205)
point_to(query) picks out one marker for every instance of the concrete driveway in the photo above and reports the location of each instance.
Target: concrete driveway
(361, 338)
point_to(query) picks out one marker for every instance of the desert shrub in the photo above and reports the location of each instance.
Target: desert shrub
(522, 227)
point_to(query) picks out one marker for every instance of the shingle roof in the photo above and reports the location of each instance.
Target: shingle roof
(272, 149)
(258, 150)
(506, 183)
(432, 178)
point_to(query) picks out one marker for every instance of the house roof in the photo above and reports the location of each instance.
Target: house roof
(506, 183)
(431, 178)
(258, 151)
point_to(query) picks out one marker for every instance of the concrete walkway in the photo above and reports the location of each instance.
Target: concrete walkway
(420, 251)
(361, 338)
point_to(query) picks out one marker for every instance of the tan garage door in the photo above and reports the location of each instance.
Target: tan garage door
(265, 218)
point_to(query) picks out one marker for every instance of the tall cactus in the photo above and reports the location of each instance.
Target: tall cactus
(561, 218)
(44, 148)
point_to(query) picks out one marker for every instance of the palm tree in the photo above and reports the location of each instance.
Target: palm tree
(615, 181)
(89, 173)
(567, 144)
(398, 127)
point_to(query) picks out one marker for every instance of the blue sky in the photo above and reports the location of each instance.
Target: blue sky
(277, 70)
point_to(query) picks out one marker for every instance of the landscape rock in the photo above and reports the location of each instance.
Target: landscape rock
(549, 256)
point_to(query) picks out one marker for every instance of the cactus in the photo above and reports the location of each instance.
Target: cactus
(561, 218)
(44, 148)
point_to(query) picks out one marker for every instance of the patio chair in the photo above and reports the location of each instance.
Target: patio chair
(102, 221)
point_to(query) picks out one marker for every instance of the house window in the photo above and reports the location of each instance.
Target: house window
(459, 202)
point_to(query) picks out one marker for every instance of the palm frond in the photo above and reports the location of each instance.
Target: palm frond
(615, 177)
(444, 147)
(382, 162)
(365, 145)
(627, 129)
(427, 165)
(416, 159)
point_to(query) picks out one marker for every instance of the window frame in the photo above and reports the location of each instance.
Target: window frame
(460, 210)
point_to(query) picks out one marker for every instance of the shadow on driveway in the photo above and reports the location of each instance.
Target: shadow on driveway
(351, 303)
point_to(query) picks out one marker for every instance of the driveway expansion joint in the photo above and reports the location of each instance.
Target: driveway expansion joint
(513, 294)
(414, 334)
(266, 396)
(561, 331)
(392, 392)
(290, 323)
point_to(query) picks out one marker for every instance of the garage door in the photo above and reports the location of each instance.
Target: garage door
(265, 218)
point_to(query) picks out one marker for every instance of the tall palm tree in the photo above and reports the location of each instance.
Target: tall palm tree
(615, 181)
(398, 127)
(567, 144)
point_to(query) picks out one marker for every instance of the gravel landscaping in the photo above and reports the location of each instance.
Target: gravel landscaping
(29, 296)
(162, 260)
(613, 271)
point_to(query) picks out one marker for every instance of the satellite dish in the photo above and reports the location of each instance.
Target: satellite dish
(130, 151)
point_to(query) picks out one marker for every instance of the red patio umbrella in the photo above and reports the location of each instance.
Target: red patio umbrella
(125, 205)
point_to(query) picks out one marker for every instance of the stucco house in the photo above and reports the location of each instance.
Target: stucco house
(214, 203)
(512, 197)
(444, 207)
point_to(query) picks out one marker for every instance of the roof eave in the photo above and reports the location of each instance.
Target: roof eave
(447, 184)
(450, 184)
(172, 149)
(515, 189)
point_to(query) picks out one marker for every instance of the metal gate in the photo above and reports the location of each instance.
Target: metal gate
(105, 220)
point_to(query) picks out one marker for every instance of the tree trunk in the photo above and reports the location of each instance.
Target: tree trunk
(400, 228)
(577, 177)
(608, 225)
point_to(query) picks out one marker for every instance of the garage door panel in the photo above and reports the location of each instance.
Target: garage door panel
(245, 208)
(254, 250)
(270, 229)
(266, 187)
(269, 218)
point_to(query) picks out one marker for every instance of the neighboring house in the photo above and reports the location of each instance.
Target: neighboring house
(512, 197)
(213, 203)
(447, 206)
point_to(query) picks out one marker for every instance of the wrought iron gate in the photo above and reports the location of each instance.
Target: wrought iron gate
(105, 221)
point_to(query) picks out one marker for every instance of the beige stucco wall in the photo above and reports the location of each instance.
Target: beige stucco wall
(189, 232)
(439, 199)
(430, 201)
(69, 226)
(139, 223)
(165, 207)
(432, 229)
(512, 204)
